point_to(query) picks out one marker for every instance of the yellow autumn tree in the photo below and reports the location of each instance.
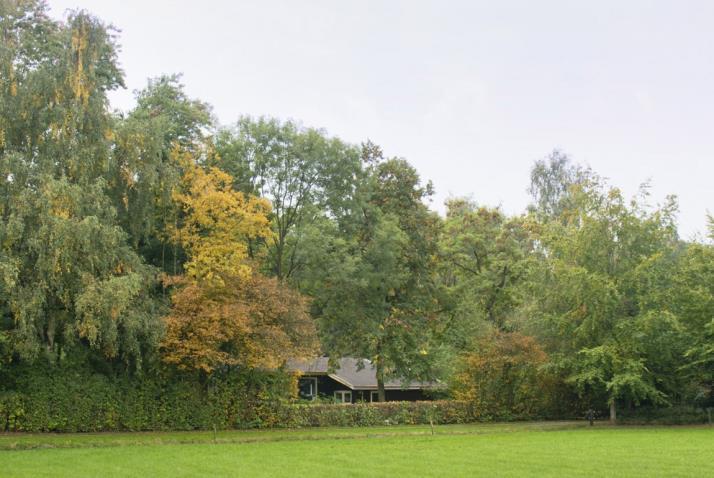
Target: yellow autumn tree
(217, 222)
(224, 312)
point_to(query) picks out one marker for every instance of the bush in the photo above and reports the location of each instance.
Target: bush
(505, 377)
(70, 400)
(678, 415)
(79, 400)
(375, 414)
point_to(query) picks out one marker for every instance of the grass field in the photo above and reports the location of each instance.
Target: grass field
(531, 449)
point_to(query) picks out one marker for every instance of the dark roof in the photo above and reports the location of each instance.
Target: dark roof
(351, 375)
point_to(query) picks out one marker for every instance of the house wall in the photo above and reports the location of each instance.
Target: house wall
(405, 395)
(327, 386)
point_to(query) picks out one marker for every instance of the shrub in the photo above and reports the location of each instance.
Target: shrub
(504, 376)
(677, 415)
(72, 400)
(376, 414)
(78, 400)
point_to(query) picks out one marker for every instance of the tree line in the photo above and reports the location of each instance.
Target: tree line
(156, 241)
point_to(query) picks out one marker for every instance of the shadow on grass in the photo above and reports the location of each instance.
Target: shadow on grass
(26, 441)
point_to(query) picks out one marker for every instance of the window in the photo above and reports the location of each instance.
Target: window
(343, 396)
(307, 387)
(373, 396)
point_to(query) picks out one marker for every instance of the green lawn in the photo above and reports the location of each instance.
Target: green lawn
(536, 449)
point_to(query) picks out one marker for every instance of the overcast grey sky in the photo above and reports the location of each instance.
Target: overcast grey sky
(470, 92)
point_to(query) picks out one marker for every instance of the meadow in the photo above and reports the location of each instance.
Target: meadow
(508, 450)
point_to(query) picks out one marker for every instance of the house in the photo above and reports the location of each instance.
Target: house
(350, 382)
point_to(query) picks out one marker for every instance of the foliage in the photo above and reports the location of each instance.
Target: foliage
(216, 225)
(485, 257)
(224, 314)
(251, 322)
(374, 288)
(155, 248)
(505, 375)
(304, 174)
(691, 298)
(68, 275)
(145, 169)
(597, 319)
(75, 399)
(676, 415)
(71, 399)
(438, 412)
(554, 182)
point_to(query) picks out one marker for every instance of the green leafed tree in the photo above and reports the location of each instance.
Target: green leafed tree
(591, 301)
(374, 288)
(67, 274)
(306, 175)
(554, 180)
(144, 173)
(484, 258)
(690, 294)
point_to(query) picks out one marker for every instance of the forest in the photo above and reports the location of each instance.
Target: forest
(155, 249)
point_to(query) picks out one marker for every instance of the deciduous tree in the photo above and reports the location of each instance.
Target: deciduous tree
(224, 312)
(305, 175)
(587, 300)
(67, 274)
(375, 294)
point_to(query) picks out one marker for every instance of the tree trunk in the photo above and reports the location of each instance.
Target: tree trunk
(381, 394)
(613, 413)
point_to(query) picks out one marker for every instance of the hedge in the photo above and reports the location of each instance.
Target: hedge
(67, 400)
(81, 400)
(676, 415)
(183, 409)
(440, 412)
(75, 401)
(71, 400)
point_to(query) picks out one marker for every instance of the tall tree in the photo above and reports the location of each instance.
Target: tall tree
(144, 174)
(68, 275)
(375, 290)
(552, 183)
(689, 294)
(485, 257)
(223, 312)
(217, 222)
(591, 310)
(305, 175)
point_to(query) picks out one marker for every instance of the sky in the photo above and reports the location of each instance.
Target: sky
(470, 92)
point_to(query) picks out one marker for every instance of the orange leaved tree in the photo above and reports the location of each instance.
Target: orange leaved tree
(504, 376)
(224, 313)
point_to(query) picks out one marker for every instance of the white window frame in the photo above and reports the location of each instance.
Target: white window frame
(374, 396)
(343, 396)
(314, 386)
